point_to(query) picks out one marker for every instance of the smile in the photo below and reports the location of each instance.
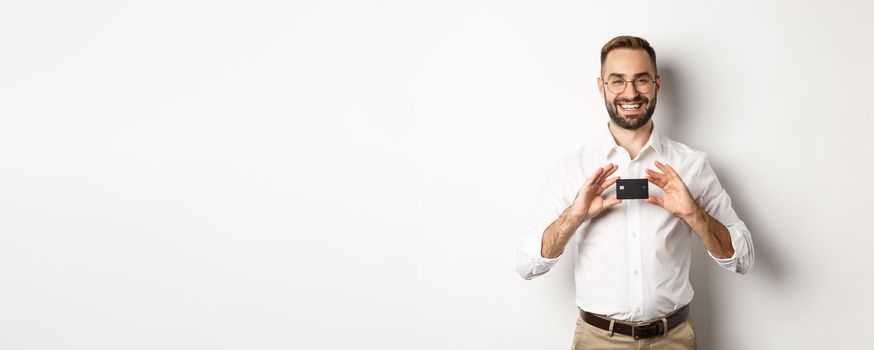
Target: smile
(631, 107)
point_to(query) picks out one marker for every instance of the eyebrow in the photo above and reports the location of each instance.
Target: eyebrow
(623, 75)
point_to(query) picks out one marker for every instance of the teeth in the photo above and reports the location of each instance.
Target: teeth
(631, 106)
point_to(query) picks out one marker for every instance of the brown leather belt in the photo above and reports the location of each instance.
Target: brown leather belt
(640, 331)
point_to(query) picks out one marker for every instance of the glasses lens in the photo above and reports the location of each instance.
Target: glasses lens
(643, 84)
(616, 86)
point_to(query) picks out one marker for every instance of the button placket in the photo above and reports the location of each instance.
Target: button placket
(635, 248)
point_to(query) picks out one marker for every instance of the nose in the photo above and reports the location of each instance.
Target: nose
(630, 92)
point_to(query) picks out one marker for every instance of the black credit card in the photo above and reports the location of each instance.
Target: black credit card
(632, 189)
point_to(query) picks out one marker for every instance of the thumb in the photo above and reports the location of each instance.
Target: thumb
(612, 202)
(655, 200)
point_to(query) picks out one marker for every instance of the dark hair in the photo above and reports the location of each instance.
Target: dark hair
(631, 42)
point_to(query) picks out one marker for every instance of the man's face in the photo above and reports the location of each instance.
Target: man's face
(629, 64)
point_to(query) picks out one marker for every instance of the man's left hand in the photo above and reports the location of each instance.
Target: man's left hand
(677, 199)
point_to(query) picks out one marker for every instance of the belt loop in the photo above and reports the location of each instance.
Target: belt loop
(665, 322)
(611, 328)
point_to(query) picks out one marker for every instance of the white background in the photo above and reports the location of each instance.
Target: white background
(343, 174)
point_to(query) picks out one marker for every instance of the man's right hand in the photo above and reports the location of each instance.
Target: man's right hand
(586, 205)
(589, 203)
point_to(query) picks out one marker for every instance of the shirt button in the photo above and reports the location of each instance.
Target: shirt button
(633, 234)
(636, 272)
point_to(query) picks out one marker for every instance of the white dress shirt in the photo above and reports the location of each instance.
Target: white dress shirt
(631, 262)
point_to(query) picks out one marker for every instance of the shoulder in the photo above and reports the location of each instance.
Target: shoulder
(573, 166)
(695, 164)
(582, 159)
(681, 150)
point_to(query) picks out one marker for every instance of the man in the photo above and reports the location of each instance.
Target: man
(632, 257)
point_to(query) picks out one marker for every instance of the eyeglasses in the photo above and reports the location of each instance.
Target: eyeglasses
(618, 85)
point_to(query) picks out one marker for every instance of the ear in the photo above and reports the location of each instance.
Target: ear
(658, 82)
(600, 86)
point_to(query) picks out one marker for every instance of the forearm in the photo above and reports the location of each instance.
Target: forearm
(558, 233)
(712, 233)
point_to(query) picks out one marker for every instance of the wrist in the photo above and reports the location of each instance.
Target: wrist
(573, 220)
(696, 215)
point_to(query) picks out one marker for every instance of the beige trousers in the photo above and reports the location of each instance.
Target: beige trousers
(589, 337)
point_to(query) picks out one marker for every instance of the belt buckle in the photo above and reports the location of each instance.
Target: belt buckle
(640, 332)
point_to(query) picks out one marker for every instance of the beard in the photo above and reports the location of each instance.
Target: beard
(634, 121)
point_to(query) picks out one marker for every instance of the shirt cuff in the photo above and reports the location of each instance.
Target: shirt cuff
(731, 263)
(535, 264)
(546, 262)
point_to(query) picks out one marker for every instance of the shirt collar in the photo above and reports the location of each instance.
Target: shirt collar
(607, 143)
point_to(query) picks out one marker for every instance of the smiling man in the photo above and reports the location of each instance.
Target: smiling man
(631, 257)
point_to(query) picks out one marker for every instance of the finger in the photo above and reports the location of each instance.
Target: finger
(667, 169)
(608, 169)
(661, 167)
(655, 200)
(612, 202)
(673, 172)
(656, 173)
(613, 169)
(594, 176)
(607, 184)
(656, 180)
(657, 176)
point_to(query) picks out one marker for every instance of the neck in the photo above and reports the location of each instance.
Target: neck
(631, 140)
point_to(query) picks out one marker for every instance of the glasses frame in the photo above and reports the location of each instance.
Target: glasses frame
(625, 85)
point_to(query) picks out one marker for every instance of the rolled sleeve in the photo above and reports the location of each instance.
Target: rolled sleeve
(741, 261)
(552, 202)
(530, 265)
(717, 203)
